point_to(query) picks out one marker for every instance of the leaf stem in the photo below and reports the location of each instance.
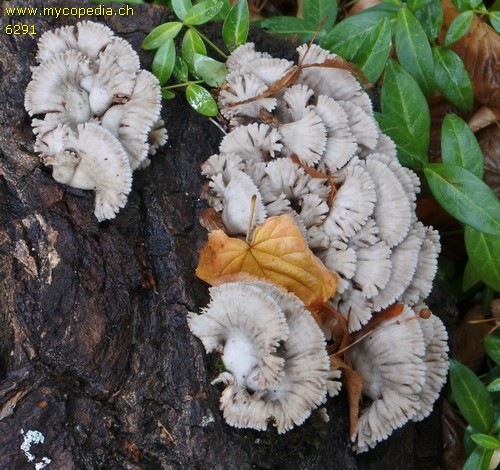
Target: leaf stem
(183, 84)
(210, 43)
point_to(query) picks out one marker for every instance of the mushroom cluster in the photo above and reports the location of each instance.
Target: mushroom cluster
(101, 112)
(274, 352)
(303, 141)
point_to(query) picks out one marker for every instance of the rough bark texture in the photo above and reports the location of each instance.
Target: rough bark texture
(95, 352)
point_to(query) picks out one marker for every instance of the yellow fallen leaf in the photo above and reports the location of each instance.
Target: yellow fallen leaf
(278, 252)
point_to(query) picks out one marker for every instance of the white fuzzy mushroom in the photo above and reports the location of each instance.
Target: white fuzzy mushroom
(94, 159)
(390, 361)
(304, 376)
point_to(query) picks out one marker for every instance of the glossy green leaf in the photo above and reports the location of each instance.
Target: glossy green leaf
(478, 460)
(459, 145)
(236, 25)
(471, 397)
(494, 17)
(203, 12)
(167, 94)
(313, 12)
(415, 5)
(180, 71)
(405, 116)
(161, 34)
(396, 3)
(451, 78)
(430, 17)
(224, 11)
(470, 277)
(494, 386)
(286, 26)
(211, 71)
(201, 100)
(345, 37)
(413, 50)
(374, 51)
(465, 196)
(492, 347)
(486, 441)
(164, 60)
(462, 5)
(458, 27)
(180, 8)
(484, 255)
(192, 44)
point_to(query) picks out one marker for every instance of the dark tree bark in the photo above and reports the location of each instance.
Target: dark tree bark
(95, 352)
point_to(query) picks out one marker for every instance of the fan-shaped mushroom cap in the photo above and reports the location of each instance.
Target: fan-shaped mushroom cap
(435, 360)
(296, 99)
(221, 163)
(336, 83)
(313, 209)
(55, 88)
(94, 159)
(353, 203)
(354, 307)
(340, 143)
(392, 212)
(421, 283)
(305, 376)
(253, 142)
(240, 88)
(361, 124)
(393, 372)
(238, 205)
(341, 260)
(126, 58)
(267, 69)
(404, 259)
(251, 324)
(132, 122)
(243, 55)
(305, 138)
(110, 82)
(54, 42)
(93, 38)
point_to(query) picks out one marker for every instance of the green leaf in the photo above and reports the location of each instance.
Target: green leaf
(470, 277)
(224, 11)
(192, 44)
(314, 11)
(430, 17)
(494, 386)
(203, 12)
(415, 5)
(180, 71)
(452, 80)
(462, 5)
(180, 8)
(164, 60)
(484, 255)
(486, 441)
(211, 71)
(492, 347)
(478, 460)
(396, 3)
(345, 37)
(374, 50)
(413, 50)
(161, 34)
(287, 25)
(465, 196)
(471, 397)
(458, 27)
(494, 17)
(201, 100)
(167, 94)
(405, 116)
(459, 146)
(236, 25)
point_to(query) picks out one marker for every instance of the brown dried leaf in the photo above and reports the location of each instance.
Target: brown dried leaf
(488, 140)
(480, 52)
(211, 220)
(278, 252)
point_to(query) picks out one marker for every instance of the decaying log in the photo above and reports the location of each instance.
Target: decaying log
(95, 353)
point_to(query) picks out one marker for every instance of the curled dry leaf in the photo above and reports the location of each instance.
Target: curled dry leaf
(479, 49)
(488, 140)
(278, 252)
